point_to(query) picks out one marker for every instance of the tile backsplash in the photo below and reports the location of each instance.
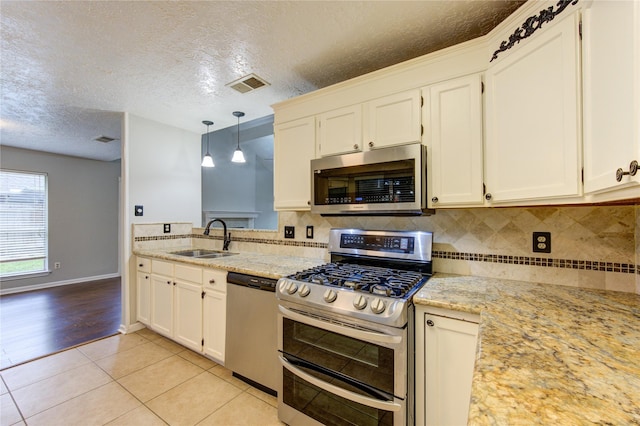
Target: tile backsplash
(592, 246)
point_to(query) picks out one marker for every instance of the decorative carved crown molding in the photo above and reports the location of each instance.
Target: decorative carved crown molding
(532, 24)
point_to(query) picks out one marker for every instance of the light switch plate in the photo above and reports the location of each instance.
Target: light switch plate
(138, 210)
(167, 228)
(309, 231)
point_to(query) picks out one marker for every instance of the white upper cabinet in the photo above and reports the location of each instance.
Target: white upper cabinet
(387, 121)
(611, 52)
(453, 119)
(532, 147)
(394, 120)
(294, 148)
(340, 131)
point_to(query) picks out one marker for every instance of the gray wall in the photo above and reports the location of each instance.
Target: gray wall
(83, 214)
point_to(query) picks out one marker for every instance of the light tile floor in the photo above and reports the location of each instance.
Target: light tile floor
(136, 379)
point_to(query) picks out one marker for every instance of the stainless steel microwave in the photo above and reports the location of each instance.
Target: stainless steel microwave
(383, 181)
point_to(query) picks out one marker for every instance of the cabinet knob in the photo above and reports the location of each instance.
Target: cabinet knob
(488, 197)
(371, 144)
(212, 281)
(146, 277)
(434, 200)
(355, 146)
(140, 265)
(169, 282)
(430, 323)
(633, 169)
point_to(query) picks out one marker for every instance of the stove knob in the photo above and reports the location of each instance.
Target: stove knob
(360, 302)
(377, 306)
(292, 288)
(304, 290)
(283, 285)
(329, 296)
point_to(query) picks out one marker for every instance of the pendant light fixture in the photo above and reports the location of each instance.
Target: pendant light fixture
(207, 161)
(238, 156)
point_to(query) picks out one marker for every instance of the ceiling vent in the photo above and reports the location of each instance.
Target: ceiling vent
(104, 139)
(248, 83)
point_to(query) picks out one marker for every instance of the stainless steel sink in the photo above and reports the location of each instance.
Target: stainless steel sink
(203, 253)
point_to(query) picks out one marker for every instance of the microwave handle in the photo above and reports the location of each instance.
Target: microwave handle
(351, 396)
(368, 336)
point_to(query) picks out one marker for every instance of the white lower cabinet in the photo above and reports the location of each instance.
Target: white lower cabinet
(162, 297)
(143, 290)
(173, 301)
(215, 314)
(445, 357)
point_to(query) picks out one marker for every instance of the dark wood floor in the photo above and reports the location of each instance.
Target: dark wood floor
(41, 322)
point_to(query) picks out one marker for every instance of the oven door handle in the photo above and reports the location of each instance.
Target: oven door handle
(351, 332)
(351, 396)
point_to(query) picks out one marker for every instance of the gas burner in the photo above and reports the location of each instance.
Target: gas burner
(380, 289)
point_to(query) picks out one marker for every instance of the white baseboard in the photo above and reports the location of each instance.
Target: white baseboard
(131, 328)
(56, 284)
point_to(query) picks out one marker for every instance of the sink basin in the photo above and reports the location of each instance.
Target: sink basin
(203, 253)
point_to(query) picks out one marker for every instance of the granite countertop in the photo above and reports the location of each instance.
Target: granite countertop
(547, 354)
(264, 265)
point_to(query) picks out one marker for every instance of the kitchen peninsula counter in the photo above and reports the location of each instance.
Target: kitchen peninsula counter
(547, 354)
(263, 265)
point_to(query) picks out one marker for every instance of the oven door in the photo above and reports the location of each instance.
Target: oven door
(340, 373)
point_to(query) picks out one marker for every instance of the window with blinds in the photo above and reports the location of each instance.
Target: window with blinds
(23, 223)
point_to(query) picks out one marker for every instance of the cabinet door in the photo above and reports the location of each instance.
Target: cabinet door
(533, 147)
(340, 131)
(162, 304)
(394, 120)
(143, 297)
(215, 323)
(453, 118)
(294, 148)
(188, 314)
(449, 358)
(611, 49)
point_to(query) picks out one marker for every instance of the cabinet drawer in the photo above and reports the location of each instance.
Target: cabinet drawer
(188, 273)
(215, 279)
(143, 264)
(161, 268)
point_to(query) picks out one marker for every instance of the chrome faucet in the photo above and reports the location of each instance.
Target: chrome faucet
(226, 237)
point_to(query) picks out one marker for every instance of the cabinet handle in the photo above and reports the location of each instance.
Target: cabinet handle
(141, 265)
(488, 197)
(212, 281)
(633, 169)
(371, 144)
(430, 323)
(174, 283)
(355, 146)
(434, 199)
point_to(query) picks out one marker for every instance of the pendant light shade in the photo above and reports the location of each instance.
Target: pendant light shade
(238, 156)
(207, 160)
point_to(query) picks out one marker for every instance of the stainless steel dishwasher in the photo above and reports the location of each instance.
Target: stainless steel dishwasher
(251, 339)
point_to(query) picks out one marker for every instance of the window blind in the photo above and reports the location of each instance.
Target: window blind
(23, 221)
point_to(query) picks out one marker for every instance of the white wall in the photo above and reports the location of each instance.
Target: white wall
(83, 215)
(161, 172)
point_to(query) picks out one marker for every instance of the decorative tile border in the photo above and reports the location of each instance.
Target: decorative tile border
(627, 268)
(161, 237)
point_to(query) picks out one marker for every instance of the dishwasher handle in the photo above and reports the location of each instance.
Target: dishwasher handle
(252, 281)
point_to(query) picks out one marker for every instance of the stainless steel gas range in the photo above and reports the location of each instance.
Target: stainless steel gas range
(345, 331)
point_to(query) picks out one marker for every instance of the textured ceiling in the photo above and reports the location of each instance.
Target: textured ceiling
(69, 68)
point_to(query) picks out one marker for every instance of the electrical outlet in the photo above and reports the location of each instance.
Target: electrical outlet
(57, 265)
(289, 232)
(309, 231)
(138, 210)
(167, 228)
(542, 242)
